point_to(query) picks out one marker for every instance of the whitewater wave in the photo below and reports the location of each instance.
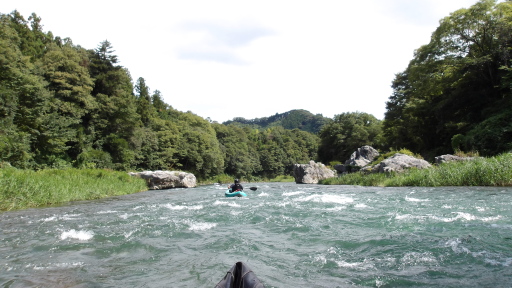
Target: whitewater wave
(226, 203)
(293, 193)
(411, 199)
(182, 207)
(457, 216)
(201, 226)
(326, 198)
(79, 235)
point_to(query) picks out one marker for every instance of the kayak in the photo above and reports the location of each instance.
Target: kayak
(240, 276)
(229, 193)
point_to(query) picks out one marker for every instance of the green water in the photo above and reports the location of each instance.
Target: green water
(290, 235)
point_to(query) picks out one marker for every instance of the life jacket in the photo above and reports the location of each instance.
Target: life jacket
(236, 187)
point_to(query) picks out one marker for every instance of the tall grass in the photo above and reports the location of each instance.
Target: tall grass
(283, 178)
(21, 189)
(494, 171)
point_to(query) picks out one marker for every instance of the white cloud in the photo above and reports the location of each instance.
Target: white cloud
(225, 58)
(218, 42)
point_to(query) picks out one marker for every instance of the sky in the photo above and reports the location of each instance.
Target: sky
(224, 59)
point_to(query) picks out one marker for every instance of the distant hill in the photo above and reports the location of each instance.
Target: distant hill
(300, 119)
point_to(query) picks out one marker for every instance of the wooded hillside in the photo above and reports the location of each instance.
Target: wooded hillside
(62, 105)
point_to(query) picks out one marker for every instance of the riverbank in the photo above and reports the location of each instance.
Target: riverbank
(228, 179)
(493, 171)
(21, 189)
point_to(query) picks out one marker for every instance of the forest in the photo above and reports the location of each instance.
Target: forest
(62, 106)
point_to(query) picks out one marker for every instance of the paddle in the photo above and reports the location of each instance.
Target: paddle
(254, 188)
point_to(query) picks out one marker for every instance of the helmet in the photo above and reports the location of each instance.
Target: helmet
(236, 181)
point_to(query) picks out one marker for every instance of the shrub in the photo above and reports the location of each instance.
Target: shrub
(94, 159)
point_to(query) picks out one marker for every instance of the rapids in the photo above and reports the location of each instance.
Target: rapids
(290, 235)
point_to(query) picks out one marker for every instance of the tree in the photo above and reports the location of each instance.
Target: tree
(198, 149)
(158, 102)
(347, 132)
(144, 107)
(454, 82)
(240, 158)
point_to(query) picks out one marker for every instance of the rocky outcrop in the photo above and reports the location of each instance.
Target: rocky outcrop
(399, 162)
(362, 156)
(449, 158)
(311, 173)
(359, 159)
(167, 179)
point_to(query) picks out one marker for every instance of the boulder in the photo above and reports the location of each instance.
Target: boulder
(311, 173)
(362, 156)
(399, 162)
(359, 159)
(449, 158)
(340, 168)
(167, 179)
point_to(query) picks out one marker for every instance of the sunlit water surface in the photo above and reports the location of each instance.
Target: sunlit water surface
(290, 235)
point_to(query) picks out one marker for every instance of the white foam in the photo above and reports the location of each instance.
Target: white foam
(506, 262)
(55, 265)
(62, 217)
(459, 216)
(466, 217)
(79, 235)
(53, 218)
(414, 258)
(365, 265)
(129, 233)
(107, 212)
(361, 205)
(293, 193)
(454, 244)
(202, 226)
(326, 198)
(226, 203)
(181, 207)
(321, 259)
(264, 194)
(410, 199)
(335, 209)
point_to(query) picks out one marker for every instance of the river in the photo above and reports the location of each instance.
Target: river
(290, 235)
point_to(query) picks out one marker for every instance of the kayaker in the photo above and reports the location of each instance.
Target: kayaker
(237, 186)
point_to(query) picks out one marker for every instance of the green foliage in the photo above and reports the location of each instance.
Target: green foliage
(494, 171)
(491, 135)
(347, 132)
(283, 178)
(457, 142)
(220, 178)
(94, 159)
(294, 119)
(392, 152)
(240, 156)
(454, 83)
(21, 189)
(198, 149)
(360, 179)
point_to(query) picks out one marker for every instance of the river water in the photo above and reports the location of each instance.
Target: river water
(290, 235)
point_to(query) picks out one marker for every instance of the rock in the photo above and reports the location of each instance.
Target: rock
(363, 156)
(449, 158)
(311, 173)
(167, 179)
(340, 168)
(399, 162)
